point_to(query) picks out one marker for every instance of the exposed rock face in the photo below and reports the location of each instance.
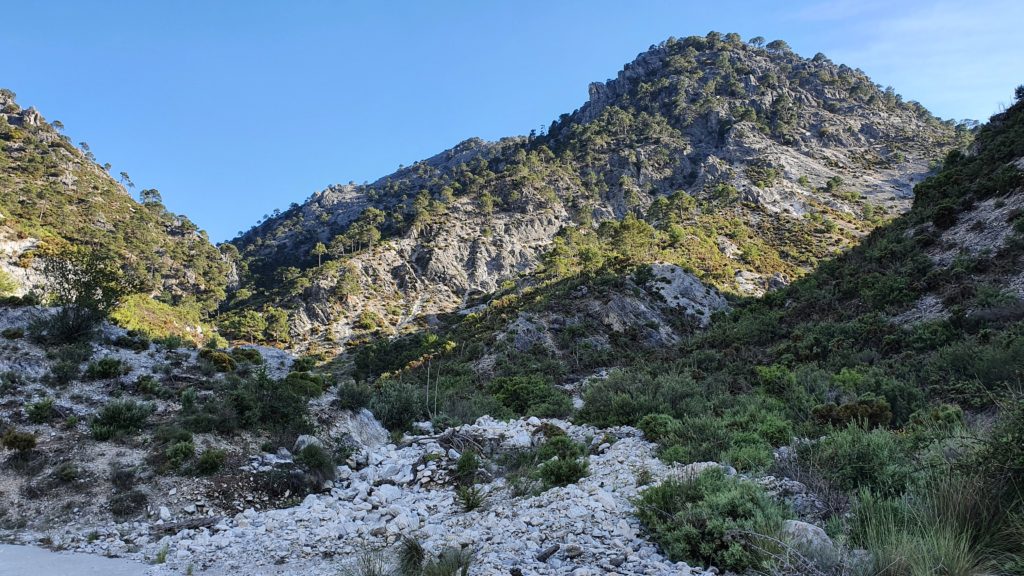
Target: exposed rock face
(763, 137)
(683, 290)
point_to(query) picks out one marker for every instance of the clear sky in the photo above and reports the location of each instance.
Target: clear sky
(232, 109)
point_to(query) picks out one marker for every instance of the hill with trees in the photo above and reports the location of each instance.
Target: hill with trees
(740, 162)
(55, 197)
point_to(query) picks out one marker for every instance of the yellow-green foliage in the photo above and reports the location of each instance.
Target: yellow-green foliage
(157, 319)
(7, 284)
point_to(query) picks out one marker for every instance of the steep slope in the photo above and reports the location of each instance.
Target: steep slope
(883, 386)
(53, 194)
(751, 163)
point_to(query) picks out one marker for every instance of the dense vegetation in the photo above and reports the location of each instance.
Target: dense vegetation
(906, 413)
(57, 193)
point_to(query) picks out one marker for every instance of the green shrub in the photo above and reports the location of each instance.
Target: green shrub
(354, 395)
(305, 363)
(170, 434)
(305, 384)
(173, 342)
(466, 467)
(560, 446)
(87, 284)
(127, 503)
(7, 284)
(866, 411)
(369, 320)
(133, 340)
(263, 403)
(562, 472)
(853, 458)
(210, 461)
(956, 519)
(247, 355)
(41, 412)
(470, 497)
(63, 373)
(120, 417)
(531, 396)
(660, 427)
(397, 405)
(77, 353)
(67, 472)
(105, 368)
(122, 477)
(710, 520)
(22, 442)
(221, 361)
(13, 333)
(177, 454)
(318, 463)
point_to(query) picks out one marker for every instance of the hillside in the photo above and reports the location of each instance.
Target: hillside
(702, 325)
(875, 397)
(54, 195)
(744, 164)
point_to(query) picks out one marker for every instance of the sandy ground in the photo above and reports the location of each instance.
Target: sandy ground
(32, 561)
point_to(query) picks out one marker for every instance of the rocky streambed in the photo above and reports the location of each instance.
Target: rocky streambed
(403, 490)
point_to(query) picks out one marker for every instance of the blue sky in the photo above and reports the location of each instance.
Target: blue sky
(232, 109)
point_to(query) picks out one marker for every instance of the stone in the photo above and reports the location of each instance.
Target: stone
(306, 440)
(810, 540)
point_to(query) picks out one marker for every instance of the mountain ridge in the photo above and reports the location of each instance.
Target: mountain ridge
(780, 142)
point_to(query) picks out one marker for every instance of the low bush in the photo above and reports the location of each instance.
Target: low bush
(77, 353)
(41, 411)
(120, 417)
(122, 477)
(220, 361)
(247, 355)
(21, 442)
(354, 395)
(304, 364)
(531, 396)
(210, 461)
(67, 472)
(397, 405)
(105, 368)
(955, 519)
(133, 340)
(710, 520)
(263, 403)
(178, 454)
(866, 411)
(562, 472)
(173, 342)
(128, 503)
(560, 446)
(660, 427)
(62, 373)
(318, 464)
(853, 458)
(13, 333)
(170, 434)
(467, 467)
(306, 384)
(470, 497)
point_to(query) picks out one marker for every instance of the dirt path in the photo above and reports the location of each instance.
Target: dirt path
(32, 561)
